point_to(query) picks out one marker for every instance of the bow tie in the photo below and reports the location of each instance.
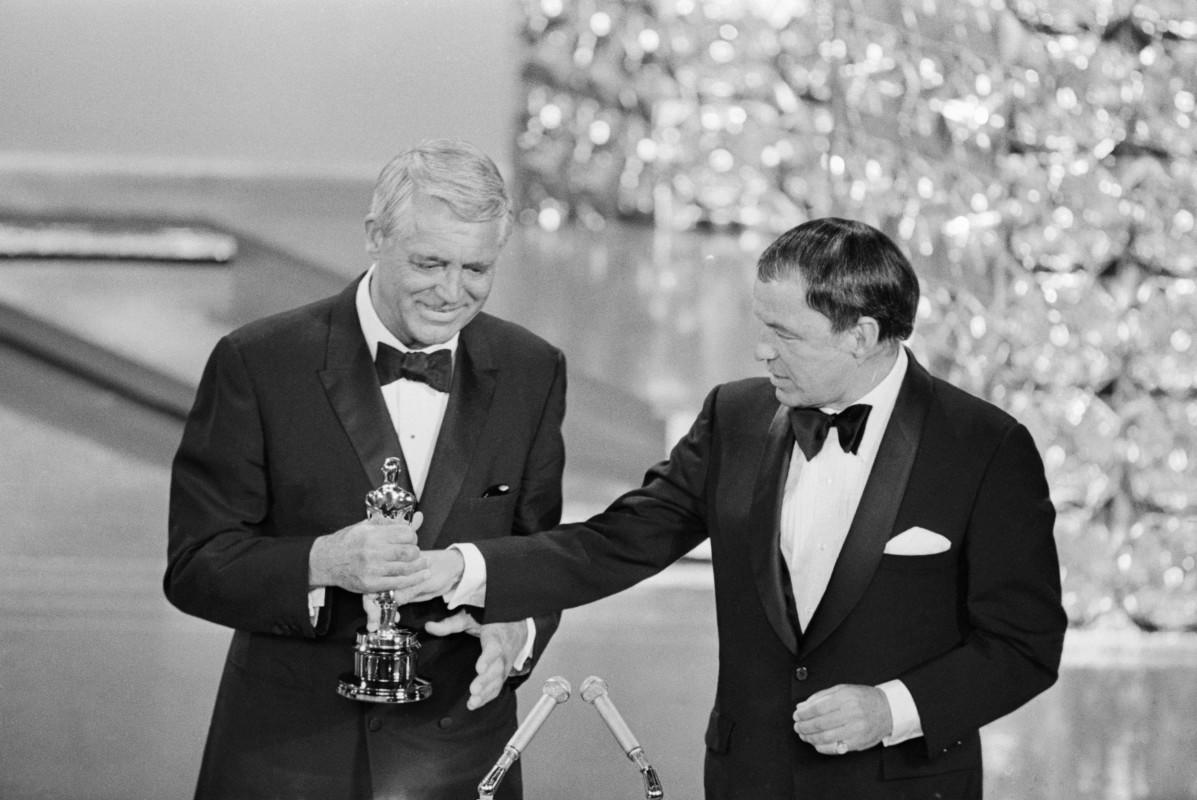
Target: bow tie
(811, 426)
(434, 369)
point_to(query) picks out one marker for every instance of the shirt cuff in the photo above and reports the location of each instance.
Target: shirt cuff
(471, 589)
(315, 603)
(905, 714)
(523, 660)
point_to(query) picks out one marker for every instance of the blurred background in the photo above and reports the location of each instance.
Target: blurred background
(170, 169)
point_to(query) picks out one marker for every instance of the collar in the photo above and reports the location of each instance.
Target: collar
(883, 398)
(374, 331)
(884, 395)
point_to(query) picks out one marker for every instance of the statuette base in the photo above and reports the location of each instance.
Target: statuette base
(353, 688)
(384, 669)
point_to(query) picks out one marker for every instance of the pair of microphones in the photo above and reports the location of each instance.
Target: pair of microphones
(556, 690)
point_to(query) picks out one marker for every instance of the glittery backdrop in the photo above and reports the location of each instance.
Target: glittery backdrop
(1038, 161)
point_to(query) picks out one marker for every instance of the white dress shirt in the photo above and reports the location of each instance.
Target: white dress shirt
(819, 502)
(417, 410)
(821, 496)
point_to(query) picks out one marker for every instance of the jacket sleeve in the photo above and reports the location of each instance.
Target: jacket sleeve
(640, 534)
(1012, 604)
(224, 563)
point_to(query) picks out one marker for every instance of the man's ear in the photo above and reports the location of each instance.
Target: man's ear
(374, 236)
(866, 333)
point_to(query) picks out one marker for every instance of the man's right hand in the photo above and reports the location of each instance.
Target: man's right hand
(444, 569)
(370, 556)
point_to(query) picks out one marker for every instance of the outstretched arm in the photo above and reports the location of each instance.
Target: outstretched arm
(640, 534)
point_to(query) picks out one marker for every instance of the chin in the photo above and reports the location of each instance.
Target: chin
(438, 333)
(785, 398)
(442, 329)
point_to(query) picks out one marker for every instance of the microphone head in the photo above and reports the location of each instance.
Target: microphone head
(557, 688)
(593, 688)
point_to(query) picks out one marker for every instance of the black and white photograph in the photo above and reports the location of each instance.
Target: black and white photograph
(528, 399)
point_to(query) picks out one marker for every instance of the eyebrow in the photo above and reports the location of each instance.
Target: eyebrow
(779, 327)
(428, 257)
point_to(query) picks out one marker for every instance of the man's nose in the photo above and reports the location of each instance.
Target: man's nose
(449, 287)
(764, 350)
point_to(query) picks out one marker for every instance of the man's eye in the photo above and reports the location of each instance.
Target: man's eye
(477, 269)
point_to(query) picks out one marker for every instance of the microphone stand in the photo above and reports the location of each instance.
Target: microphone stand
(652, 784)
(556, 690)
(490, 784)
(594, 691)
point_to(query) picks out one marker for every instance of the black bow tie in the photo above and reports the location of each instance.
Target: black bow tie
(811, 426)
(434, 369)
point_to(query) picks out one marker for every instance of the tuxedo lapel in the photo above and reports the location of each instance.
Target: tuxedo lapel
(352, 389)
(763, 524)
(878, 508)
(473, 387)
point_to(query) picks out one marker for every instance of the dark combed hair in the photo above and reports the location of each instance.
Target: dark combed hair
(850, 270)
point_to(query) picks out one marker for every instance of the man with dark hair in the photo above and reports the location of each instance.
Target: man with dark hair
(886, 580)
(293, 419)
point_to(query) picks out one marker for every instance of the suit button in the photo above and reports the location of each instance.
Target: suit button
(375, 725)
(444, 722)
(801, 673)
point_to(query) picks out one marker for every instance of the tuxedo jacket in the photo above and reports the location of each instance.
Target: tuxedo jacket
(288, 433)
(973, 632)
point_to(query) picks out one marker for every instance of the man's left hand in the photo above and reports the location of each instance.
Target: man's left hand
(843, 718)
(501, 643)
(443, 571)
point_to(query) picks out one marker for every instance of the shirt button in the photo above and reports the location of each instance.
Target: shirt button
(444, 722)
(375, 725)
(801, 673)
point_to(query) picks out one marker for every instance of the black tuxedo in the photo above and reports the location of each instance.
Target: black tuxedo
(973, 632)
(288, 434)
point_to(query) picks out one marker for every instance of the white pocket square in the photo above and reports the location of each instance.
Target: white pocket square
(917, 542)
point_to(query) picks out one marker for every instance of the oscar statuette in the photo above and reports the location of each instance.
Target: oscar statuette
(384, 661)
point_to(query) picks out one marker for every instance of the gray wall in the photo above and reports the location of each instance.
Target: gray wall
(275, 86)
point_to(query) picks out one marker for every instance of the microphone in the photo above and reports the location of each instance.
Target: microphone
(594, 691)
(555, 691)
